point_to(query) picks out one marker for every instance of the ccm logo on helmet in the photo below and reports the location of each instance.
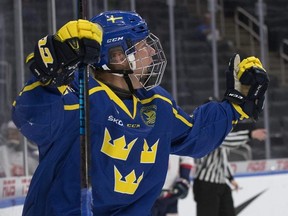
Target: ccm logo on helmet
(111, 40)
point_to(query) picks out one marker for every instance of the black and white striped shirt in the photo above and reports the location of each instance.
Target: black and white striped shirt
(215, 167)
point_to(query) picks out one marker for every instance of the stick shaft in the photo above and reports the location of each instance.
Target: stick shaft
(82, 9)
(84, 126)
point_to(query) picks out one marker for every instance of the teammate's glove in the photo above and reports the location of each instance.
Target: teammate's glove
(180, 189)
(56, 57)
(247, 82)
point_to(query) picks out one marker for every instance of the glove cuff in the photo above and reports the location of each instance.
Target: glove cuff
(53, 62)
(234, 96)
(238, 101)
(183, 181)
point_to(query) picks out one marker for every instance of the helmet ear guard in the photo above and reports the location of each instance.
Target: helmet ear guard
(132, 61)
(127, 29)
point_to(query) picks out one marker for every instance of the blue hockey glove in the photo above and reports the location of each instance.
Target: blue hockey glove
(180, 189)
(246, 82)
(56, 57)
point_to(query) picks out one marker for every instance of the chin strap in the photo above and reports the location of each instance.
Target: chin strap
(129, 83)
(124, 74)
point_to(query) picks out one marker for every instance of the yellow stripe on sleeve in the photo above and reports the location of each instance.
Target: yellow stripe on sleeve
(71, 107)
(30, 87)
(181, 118)
(240, 111)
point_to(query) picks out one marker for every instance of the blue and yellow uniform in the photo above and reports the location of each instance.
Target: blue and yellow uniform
(131, 141)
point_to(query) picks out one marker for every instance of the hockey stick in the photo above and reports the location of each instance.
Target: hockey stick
(84, 126)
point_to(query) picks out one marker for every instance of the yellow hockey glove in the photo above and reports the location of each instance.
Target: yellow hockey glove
(83, 37)
(57, 56)
(246, 82)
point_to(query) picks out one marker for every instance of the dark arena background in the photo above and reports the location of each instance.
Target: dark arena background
(195, 71)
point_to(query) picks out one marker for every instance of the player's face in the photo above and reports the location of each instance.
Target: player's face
(146, 59)
(143, 57)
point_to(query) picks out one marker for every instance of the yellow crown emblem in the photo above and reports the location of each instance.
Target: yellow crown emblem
(148, 156)
(131, 183)
(118, 149)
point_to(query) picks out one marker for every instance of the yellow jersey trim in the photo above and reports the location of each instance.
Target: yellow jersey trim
(175, 112)
(71, 107)
(119, 102)
(30, 87)
(181, 118)
(148, 100)
(240, 111)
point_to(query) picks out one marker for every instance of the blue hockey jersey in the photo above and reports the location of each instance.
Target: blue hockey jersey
(131, 141)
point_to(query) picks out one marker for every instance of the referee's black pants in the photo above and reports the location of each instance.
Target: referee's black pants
(213, 199)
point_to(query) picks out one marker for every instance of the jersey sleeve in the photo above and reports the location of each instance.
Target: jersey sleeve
(38, 112)
(210, 124)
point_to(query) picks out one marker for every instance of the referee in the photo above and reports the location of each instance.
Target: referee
(213, 179)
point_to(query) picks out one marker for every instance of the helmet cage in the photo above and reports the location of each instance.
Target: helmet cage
(149, 75)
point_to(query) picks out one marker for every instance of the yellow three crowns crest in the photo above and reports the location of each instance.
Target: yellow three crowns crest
(120, 149)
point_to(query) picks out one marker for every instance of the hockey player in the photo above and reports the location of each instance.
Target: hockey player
(134, 123)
